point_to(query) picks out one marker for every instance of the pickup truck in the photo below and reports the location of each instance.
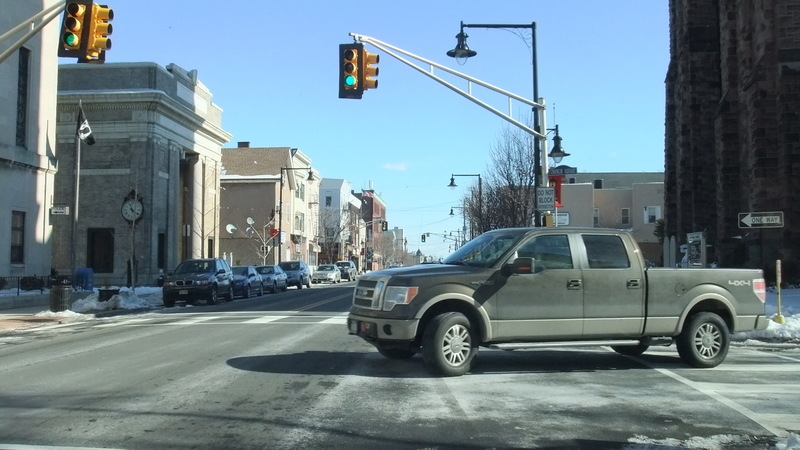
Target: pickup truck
(523, 288)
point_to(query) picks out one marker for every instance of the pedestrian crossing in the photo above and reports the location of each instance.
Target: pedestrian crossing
(233, 318)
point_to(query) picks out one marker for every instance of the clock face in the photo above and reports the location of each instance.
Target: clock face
(132, 210)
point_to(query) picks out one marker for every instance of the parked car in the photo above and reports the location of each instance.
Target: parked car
(246, 281)
(326, 273)
(347, 269)
(273, 277)
(198, 279)
(297, 273)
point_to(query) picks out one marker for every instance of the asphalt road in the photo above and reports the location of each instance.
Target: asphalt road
(280, 371)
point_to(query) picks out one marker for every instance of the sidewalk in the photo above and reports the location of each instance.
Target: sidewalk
(33, 310)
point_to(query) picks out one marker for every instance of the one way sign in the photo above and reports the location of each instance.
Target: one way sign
(772, 219)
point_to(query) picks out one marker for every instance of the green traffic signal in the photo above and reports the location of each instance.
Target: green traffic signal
(350, 77)
(350, 80)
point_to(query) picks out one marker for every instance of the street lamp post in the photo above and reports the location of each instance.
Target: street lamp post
(278, 241)
(453, 185)
(462, 51)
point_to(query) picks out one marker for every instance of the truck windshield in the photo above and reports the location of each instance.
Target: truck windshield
(483, 251)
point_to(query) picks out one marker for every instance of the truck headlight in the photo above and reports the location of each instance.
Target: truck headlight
(398, 295)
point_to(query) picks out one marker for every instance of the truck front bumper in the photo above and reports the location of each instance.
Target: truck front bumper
(378, 329)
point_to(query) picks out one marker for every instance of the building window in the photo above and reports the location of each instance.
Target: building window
(100, 254)
(300, 192)
(626, 216)
(596, 217)
(23, 75)
(598, 184)
(17, 237)
(299, 222)
(652, 214)
(328, 201)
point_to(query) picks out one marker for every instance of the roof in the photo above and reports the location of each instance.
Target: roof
(249, 161)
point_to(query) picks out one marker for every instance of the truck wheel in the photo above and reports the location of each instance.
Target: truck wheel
(632, 350)
(704, 340)
(396, 352)
(448, 345)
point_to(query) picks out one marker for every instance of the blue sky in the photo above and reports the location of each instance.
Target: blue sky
(272, 67)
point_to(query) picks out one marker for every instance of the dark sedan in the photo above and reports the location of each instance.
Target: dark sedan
(246, 282)
(274, 277)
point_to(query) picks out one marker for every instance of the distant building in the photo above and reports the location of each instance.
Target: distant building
(28, 160)
(373, 211)
(631, 201)
(271, 186)
(340, 222)
(158, 136)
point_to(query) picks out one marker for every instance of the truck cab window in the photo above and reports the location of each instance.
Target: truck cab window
(606, 252)
(550, 252)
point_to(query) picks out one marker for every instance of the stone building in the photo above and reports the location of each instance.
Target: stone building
(733, 128)
(159, 137)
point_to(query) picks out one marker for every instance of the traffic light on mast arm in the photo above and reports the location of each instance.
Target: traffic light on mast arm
(99, 30)
(75, 29)
(85, 30)
(384, 226)
(370, 61)
(423, 237)
(350, 78)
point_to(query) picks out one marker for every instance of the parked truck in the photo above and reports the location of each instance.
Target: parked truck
(523, 288)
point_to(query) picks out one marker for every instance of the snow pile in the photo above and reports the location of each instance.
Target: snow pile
(126, 299)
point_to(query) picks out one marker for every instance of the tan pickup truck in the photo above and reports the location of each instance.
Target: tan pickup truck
(523, 288)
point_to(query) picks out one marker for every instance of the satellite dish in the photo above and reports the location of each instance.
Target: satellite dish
(250, 221)
(231, 228)
(249, 231)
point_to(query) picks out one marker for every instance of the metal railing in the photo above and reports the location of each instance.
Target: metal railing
(31, 284)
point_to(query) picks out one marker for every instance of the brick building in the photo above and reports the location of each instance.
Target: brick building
(733, 128)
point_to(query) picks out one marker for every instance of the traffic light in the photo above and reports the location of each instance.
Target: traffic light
(75, 29)
(423, 237)
(99, 30)
(350, 75)
(370, 61)
(384, 226)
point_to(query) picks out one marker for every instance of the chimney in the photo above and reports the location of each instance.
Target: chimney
(244, 144)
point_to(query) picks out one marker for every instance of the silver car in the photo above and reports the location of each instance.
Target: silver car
(326, 273)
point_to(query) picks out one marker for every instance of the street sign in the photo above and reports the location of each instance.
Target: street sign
(59, 210)
(562, 170)
(545, 198)
(773, 219)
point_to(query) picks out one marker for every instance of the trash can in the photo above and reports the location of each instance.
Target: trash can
(84, 278)
(60, 296)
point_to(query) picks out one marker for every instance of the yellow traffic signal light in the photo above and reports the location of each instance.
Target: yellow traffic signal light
(99, 30)
(74, 29)
(370, 69)
(351, 83)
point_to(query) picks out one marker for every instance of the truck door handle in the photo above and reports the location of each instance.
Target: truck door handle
(633, 283)
(574, 284)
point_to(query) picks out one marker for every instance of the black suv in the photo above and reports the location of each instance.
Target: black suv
(205, 279)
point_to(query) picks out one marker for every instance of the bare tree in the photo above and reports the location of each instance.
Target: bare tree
(335, 230)
(508, 190)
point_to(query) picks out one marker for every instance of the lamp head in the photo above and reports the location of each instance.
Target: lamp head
(462, 50)
(452, 184)
(310, 175)
(451, 212)
(558, 152)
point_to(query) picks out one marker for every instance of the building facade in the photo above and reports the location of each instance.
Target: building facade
(158, 137)
(271, 187)
(28, 161)
(340, 222)
(733, 129)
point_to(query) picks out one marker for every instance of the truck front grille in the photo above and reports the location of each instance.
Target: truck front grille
(367, 293)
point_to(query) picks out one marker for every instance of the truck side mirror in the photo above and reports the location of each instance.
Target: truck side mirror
(522, 266)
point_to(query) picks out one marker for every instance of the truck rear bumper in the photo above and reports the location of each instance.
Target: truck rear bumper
(378, 329)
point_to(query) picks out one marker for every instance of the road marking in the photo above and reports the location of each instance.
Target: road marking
(265, 319)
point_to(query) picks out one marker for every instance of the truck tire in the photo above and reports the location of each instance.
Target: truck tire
(448, 345)
(704, 340)
(632, 350)
(396, 352)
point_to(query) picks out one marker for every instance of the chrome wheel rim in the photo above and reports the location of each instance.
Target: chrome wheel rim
(456, 345)
(708, 341)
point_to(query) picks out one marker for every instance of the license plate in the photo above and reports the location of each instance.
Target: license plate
(183, 292)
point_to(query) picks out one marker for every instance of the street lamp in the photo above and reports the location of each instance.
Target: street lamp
(453, 185)
(278, 242)
(558, 152)
(463, 51)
